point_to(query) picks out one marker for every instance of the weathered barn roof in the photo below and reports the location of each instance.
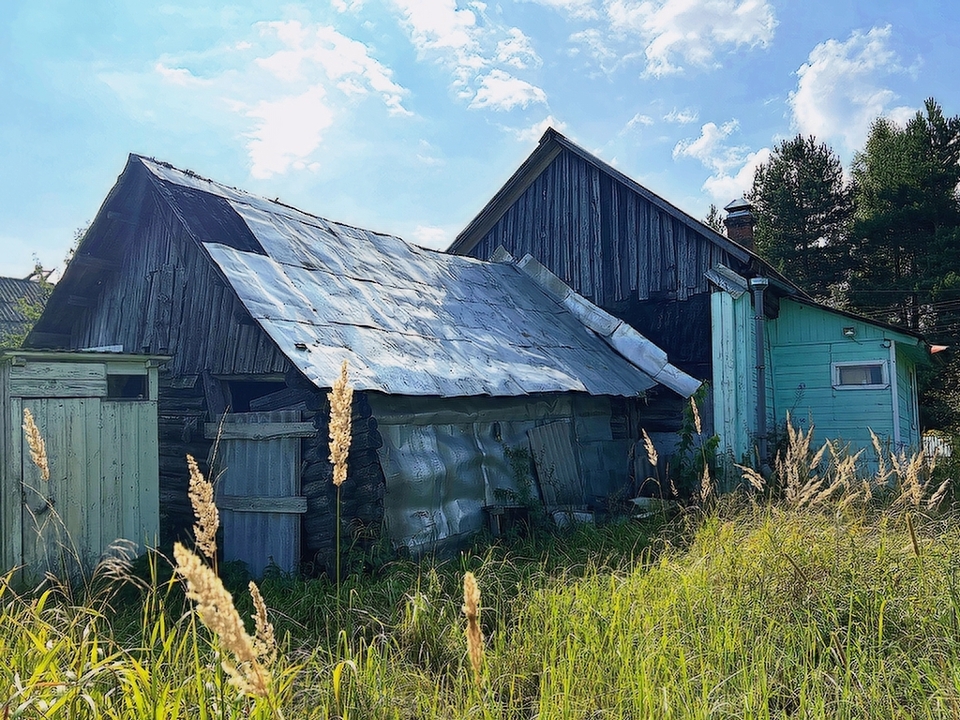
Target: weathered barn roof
(410, 321)
(13, 292)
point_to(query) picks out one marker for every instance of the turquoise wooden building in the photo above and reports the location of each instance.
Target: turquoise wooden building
(719, 311)
(835, 371)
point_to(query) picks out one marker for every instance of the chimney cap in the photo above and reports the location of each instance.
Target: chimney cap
(739, 205)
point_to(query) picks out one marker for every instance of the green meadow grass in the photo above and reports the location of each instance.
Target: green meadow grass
(749, 610)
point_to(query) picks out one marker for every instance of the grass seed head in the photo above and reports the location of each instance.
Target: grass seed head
(652, 455)
(205, 509)
(264, 641)
(696, 416)
(214, 605)
(471, 608)
(38, 448)
(341, 413)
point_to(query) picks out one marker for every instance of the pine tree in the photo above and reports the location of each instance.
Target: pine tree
(803, 208)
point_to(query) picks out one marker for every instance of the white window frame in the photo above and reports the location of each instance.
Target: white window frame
(884, 374)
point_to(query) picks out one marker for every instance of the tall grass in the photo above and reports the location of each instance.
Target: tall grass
(827, 594)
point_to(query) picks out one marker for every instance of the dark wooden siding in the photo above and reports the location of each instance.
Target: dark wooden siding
(166, 297)
(602, 238)
(619, 250)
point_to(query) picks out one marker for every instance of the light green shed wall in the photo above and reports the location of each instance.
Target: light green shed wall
(102, 454)
(735, 374)
(805, 342)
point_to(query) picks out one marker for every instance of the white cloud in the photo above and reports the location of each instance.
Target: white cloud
(724, 187)
(438, 26)
(288, 132)
(340, 58)
(517, 51)
(682, 117)
(639, 119)
(500, 90)
(281, 93)
(711, 148)
(840, 90)
(732, 166)
(478, 53)
(583, 9)
(682, 32)
(533, 133)
(178, 76)
(597, 43)
(431, 236)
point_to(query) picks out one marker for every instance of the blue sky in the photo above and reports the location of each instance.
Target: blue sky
(405, 116)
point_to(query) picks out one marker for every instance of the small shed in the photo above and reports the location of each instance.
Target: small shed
(97, 413)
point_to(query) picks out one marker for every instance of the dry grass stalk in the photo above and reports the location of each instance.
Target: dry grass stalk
(264, 641)
(652, 455)
(216, 610)
(471, 608)
(706, 486)
(696, 416)
(754, 478)
(341, 413)
(941, 492)
(38, 448)
(205, 509)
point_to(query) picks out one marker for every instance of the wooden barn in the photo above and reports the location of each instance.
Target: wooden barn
(460, 367)
(97, 413)
(702, 297)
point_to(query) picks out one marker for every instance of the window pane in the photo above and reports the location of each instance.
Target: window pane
(861, 374)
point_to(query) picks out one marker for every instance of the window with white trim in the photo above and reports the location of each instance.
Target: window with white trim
(860, 375)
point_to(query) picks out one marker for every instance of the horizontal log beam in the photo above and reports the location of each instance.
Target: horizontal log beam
(252, 503)
(258, 431)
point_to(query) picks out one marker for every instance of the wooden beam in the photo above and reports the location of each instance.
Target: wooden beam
(251, 503)
(258, 431)
(93, 263)
(81, 301)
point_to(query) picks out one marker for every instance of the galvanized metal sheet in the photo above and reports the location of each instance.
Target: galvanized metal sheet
(410, 321)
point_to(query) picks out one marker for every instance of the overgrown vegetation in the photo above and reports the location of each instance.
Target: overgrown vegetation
(831, 594)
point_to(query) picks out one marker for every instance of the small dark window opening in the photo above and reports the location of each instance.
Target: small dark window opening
(127, 387)
(242, 392)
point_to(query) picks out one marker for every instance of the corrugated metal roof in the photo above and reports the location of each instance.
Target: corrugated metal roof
(12, 292)
(410, 321)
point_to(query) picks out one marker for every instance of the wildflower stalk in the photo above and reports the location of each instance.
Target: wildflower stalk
(205, 510)
(341, 402)
(471, 608)
(38, 449)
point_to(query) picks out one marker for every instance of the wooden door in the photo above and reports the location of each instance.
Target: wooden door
(257, 480)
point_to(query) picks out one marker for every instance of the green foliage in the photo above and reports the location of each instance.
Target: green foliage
(907, 242)
(907, 215)
(803, 207)
(695, 452)
(746, 611)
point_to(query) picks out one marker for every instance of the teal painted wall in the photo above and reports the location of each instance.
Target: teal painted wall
(806, 341)
(802, 345)
(735, 375)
